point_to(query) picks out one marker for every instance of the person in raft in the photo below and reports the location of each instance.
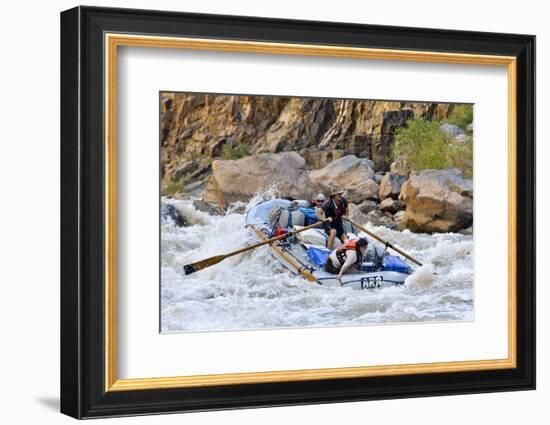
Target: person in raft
(318, 201)
(347, 258)
(334, 209)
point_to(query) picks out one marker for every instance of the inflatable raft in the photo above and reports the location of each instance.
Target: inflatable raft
(304, 254)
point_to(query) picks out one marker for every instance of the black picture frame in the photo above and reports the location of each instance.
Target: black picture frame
(83, 392)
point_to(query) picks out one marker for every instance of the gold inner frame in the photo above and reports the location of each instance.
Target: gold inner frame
(113, 41)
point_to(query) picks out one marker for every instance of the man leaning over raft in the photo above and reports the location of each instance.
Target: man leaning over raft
(347, 258)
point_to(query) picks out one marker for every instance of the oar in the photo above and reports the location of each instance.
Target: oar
(199, 265)
(389, 245)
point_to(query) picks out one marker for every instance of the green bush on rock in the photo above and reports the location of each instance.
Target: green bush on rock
(174, 187)
(462, 115)
(234, 152)
(424, 146)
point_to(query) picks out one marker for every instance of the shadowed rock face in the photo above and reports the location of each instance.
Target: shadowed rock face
(437, 201)
(197, 126)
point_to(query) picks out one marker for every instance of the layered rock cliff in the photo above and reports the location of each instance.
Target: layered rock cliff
(196, 127)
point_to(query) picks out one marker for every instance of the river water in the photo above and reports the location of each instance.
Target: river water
(252, 291)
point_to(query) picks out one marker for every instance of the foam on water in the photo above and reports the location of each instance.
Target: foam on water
(252, 291)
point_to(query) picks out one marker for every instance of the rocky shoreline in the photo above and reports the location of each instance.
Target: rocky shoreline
(424, 201)
(224, 149)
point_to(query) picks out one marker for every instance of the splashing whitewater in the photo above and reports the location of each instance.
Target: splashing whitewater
(252, 291)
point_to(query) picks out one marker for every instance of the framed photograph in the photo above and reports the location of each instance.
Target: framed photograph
(262, 212)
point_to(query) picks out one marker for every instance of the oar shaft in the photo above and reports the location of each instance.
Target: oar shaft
(199, 265)
(389, 245)
(275, 239)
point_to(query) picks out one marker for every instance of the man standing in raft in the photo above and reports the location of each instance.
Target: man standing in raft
(334, 209)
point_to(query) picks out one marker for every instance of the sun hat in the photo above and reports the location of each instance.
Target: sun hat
(335, 190)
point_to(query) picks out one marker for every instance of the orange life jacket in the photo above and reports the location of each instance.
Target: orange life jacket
(349, 244)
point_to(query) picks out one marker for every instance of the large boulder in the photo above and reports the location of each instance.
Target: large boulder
(390, 186)
(284, 174)
(437, 201)
(354, 175)
(169, 212)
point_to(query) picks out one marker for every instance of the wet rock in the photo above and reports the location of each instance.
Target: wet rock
(354, 175)
(451, 129)
(390, 187)
(171, 212)
(239, 180)
(207, 208)
(236, 208)
(438, 201)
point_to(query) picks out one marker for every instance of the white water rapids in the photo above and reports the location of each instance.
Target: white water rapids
(252, 291)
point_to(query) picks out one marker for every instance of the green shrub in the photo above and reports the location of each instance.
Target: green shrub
(462, 115)
(174, 187)
(234, 152)
(424, 146)
(462, 156)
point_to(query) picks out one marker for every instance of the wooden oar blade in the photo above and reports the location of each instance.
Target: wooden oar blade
(199, 265)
